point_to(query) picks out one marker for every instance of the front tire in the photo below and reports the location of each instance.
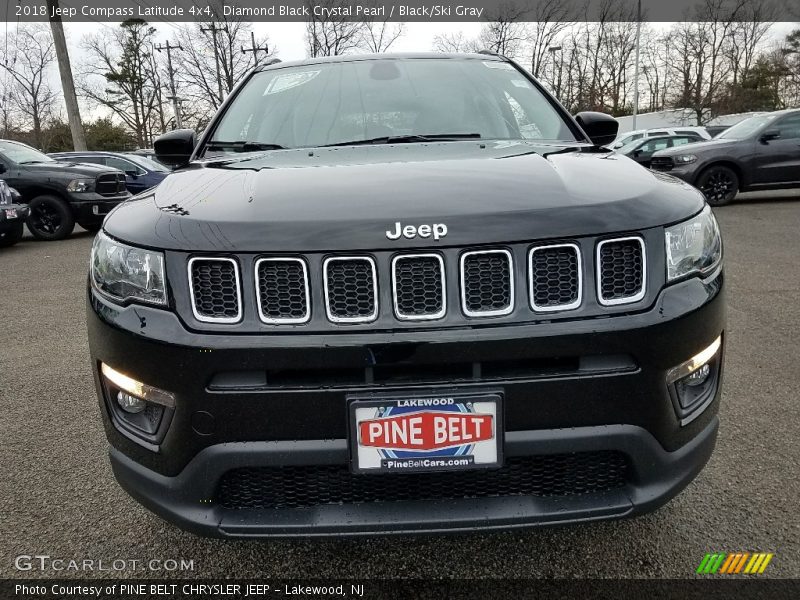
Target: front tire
(50, 218)
(11, 237)
(719, 185)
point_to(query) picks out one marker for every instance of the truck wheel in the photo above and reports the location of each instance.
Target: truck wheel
(719, 185)
(93, 226)
(11, 237)
(50, 218)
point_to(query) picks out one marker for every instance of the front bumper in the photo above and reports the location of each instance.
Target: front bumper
(606, 404)
(90, 207)
(7, 221)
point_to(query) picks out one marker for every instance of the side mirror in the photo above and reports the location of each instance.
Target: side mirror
(2, 168)
(175, 148)
(132, 173)
(637, 153)
(770, 134)
(599, 127)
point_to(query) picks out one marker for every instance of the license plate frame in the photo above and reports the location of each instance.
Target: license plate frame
(460, 408)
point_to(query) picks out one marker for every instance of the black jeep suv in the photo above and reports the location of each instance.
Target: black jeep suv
(405, 293)
(60, 194)
(759, 153)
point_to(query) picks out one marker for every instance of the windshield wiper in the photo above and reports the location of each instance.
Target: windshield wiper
(411, 139)
(243, 146)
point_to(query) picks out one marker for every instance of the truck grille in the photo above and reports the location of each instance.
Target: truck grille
(556, 278)
(487, 283)
(309, 486)
(418, 284)
(282, 290)
(112, 184)
(215, 290)
(351, 289)
(620, 270)
(661, 163)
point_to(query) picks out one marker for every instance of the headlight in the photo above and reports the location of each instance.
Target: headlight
(127, 273)
(684, 159)
(694, 246)
(80, 185)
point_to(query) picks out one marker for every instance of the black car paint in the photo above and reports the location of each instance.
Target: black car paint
(137, 180)
(760, 164)
(339, 200)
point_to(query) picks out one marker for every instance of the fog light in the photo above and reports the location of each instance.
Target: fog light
(697, 377)
(130, 404)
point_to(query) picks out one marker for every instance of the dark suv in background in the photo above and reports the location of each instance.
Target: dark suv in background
(60, 194)
(759, 153)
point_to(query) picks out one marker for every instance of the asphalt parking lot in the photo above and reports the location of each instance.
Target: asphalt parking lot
(59, 497)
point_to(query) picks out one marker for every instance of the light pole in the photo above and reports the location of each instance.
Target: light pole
(552, 50)
(636, 66)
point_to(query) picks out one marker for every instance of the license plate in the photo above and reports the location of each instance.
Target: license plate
(11, 213)
(397, 434)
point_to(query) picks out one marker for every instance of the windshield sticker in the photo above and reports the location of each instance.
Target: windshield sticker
(286, 81)
(520, 83)
(498, 65)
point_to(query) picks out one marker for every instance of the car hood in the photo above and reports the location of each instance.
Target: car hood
(698, 147)
(70, 168)
(346, 198)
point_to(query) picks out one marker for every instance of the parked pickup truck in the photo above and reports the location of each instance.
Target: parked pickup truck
(60, 194)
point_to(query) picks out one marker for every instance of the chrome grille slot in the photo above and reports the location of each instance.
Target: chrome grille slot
(351, 289)
(487, 283)
(282, 290)
(555, 277)
(215, 289)
(621, 267)
(418, 286)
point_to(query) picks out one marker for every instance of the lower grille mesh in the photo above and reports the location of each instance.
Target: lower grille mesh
(487, 283)
(350, 289)
(419, 290)
(621, 269)
(309, 486)
(215, 289)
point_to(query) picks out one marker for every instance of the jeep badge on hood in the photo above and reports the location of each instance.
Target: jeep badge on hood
(437, 230)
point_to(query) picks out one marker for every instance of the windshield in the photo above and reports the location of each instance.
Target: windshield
(746, 128)
(336, 103)
(147, 164)
(22, 154)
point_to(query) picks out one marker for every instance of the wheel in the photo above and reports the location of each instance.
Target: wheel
(11, 237)
(719, 185)
(50, 218)
(93, 226)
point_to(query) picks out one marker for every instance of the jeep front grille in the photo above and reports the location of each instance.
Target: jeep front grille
(418, 286)
(215, 289)
(620, 271)
(487, 283)
(351, 289)
(555, 277)
(402, 289)
(282, 290)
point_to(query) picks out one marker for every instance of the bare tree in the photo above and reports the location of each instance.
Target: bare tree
(211, 62)
(543, 34)
(454, 42)
(123, 59)
(378, 36)
(335, 35)
(505, 33)
(31, 58)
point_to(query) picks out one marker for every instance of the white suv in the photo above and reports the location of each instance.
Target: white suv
(699, 132)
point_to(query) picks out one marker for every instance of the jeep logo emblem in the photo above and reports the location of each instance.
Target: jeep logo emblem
(437, 230)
